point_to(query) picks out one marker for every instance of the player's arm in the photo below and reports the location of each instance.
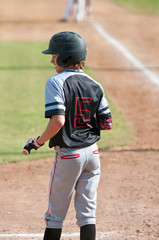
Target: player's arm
(105, 121)
(55, 123)
(104, 117)
(55, 111)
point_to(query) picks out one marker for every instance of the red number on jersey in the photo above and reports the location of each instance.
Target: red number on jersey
(83, 115)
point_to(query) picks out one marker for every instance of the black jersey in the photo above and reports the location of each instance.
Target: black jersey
(81, 99)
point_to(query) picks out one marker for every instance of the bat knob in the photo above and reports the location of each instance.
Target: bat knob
(28, 148)
(26, 152)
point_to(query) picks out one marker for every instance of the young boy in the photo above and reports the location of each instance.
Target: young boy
(77, 111)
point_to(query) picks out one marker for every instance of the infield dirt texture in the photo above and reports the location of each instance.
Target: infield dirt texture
(128, 193)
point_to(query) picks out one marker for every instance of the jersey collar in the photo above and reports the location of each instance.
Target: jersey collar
(73, 70)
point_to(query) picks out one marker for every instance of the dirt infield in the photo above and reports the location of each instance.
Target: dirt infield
(128, 194)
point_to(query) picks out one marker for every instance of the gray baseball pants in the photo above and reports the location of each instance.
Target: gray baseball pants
(74, 169)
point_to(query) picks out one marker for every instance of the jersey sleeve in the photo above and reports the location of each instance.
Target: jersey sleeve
(54, 98)
(104, 117)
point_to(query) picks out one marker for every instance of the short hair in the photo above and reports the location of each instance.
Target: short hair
(80, 65)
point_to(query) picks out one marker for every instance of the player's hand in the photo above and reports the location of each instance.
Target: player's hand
(105, 124)
(31, 144)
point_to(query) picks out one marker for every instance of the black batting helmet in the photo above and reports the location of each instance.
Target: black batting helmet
(70, 46)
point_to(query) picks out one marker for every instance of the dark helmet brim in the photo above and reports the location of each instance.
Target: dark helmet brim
(49, 51)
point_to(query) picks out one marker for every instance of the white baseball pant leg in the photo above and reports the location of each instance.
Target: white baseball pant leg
(79, 170)
(68, 9)
(80, 10)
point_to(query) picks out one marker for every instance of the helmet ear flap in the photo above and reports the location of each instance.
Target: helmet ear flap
(64, 61)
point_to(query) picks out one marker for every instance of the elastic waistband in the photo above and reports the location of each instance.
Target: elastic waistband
(57, 148)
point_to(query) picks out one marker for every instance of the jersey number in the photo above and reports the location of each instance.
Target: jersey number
(82, 115)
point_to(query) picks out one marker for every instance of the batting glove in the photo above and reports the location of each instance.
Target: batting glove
(34, 141)
(31, 144)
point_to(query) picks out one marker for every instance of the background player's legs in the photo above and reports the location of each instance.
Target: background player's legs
(52, 234)
(80, 10)
(88, 8)
(68, 10)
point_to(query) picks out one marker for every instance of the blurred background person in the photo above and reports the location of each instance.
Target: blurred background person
(79, 6)
(88, 8)
(68, 10)
(78, 9)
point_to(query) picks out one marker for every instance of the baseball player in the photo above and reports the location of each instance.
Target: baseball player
(76, 8)
(77, 110)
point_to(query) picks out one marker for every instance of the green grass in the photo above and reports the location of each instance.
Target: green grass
(23, 73)
(140, 6)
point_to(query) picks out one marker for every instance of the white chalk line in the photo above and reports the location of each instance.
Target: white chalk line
(100, 235)
(139, 65)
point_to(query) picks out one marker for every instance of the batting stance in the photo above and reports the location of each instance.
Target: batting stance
(77, 111)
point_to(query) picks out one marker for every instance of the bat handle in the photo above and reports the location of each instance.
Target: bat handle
(28, 148)
(26, 151)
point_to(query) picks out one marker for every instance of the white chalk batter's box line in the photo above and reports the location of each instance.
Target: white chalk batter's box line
(100, 235)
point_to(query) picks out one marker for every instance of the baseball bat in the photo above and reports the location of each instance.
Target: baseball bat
(28, 148)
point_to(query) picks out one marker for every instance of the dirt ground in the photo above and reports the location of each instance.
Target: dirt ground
(128, 193)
